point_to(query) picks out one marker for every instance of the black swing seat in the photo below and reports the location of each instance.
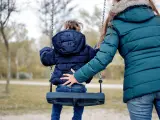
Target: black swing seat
(75, 99)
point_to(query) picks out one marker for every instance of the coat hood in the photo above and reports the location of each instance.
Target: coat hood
(136, 14)
(69, 42)
(132, 10)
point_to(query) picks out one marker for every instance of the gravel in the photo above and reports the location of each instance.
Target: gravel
(94, 114)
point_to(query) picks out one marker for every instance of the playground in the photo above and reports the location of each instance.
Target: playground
(22, 105)
(21, 99)
(84, 54)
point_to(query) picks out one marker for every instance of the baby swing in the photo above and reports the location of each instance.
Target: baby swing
(76, 99)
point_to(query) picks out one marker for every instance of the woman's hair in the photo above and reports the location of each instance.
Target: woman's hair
(154, 7)
(110, 17)
(73, 25)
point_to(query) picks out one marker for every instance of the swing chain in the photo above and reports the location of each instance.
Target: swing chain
(103, 17)
(104, 11)
(100, 82)
(52, 20)
(52, 28)
(51, 34)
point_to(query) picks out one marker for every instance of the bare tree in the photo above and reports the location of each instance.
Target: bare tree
(20, 33)
(92, 20)
(56, 11)
(7, 7)
(93, 25)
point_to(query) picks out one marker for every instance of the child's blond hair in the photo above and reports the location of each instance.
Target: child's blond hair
(73, 24)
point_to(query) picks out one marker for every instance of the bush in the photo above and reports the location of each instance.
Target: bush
(23, 75)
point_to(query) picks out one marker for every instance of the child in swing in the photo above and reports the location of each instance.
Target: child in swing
(69, 54)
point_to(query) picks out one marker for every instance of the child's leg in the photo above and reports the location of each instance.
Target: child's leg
(56, 109)
(56, 112)
(78, 111)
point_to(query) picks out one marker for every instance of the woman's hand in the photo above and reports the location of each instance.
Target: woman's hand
(71, 79)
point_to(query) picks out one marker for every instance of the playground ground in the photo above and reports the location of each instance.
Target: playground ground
(28, 103)
(89, 114)
(94, 114)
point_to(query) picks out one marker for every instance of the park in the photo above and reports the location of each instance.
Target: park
(29, 29)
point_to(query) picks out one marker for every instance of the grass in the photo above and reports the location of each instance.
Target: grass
(113, 99)
(24, 99)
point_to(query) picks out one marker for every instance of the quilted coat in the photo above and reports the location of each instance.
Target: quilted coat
(70, 52)
(135, 32)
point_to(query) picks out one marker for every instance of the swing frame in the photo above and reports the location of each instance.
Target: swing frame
(76, 99)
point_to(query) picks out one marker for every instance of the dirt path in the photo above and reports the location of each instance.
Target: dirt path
(95, 114)
(105, 86)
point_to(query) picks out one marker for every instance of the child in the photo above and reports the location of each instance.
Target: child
(69, 54)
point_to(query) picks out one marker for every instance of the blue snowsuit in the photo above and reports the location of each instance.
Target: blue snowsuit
(70, 52)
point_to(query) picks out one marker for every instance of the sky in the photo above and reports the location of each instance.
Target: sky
(29, 15)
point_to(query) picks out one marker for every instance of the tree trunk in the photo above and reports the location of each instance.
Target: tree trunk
(17, 66)
(8, 71)
(17, 75)
(8, 59)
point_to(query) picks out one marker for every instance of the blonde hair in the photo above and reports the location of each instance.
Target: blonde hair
(73, 25)
(110, 17)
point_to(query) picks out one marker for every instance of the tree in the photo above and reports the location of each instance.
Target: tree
(44, 41)
(20, 35)
(92, 37)
(24, 55)
(7, 7)
(92, 25)
(58, 10)
(3, 62)
(94, 20)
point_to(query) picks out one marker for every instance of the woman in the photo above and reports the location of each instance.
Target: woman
(132, 27)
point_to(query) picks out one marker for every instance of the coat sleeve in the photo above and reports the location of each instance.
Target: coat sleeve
(103, 57)
(47, 56)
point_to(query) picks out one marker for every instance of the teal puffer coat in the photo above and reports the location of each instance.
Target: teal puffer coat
(136, 34)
